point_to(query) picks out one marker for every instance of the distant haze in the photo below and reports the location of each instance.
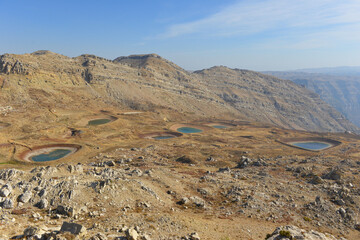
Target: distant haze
(338, 71)
(340, 87)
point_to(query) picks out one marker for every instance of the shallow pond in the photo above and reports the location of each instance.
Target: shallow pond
(189, 130)
(50, 156)
(312, 145)
(99, 121)
(163, 137)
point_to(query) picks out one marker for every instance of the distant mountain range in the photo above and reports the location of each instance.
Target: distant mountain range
(337, 71)
(340, 87)
(44, 80)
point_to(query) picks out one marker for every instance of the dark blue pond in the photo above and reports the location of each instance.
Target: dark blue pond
(312, 145)
(189, 130)
(53, 155)
(163, 137)
(219, 126)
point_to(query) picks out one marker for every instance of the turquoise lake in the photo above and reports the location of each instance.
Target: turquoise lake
(189, 130)
(53, 155)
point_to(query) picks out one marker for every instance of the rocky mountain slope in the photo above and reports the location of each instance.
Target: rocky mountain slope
(147, 82)
(341, 92)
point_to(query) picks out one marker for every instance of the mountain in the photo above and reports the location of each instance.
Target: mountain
(341, 92)
(46, 80)
(337, 71)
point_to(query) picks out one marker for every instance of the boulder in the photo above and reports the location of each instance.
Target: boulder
(5, 190)
(293, 232)
(25, 197)
(99, 236)
(30, 231)
(73, 228)
(42, 204)
(194, 236)
(131, 234)
(8, 204)
(333, 174)
(316, 180)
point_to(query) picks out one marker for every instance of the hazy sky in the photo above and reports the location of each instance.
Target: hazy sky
(195, 34)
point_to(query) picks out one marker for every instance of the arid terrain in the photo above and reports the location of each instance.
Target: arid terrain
(340, 90)
(239, 182)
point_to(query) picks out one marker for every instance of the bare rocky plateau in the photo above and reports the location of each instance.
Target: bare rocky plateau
(240, 182)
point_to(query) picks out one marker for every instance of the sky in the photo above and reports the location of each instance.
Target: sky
(194, 34)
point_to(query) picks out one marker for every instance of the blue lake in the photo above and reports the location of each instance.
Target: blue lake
(312, 145)
(189, 130)
(53, 155)
(163, 137)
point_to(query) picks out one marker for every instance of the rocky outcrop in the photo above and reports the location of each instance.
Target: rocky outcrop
(12, 65)
(293, 232)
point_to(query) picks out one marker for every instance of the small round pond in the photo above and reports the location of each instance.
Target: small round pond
(161, 135)
(219, 126)
(100, 121)
(311, 145)
(51, 155)
(49, 152)
(189, 130)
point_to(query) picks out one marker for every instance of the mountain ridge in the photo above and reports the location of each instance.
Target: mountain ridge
(341, 92)
(148, 81)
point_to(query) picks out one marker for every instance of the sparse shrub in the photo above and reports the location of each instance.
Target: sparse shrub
(225, 238)
(285, 233)
(185, 159)
(307, 219)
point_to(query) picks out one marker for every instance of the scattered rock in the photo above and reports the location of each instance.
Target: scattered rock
(131, 234)
(42, 204)
(194, 236)
(99, 236)
(5, 190)
(333, 174)
(30, 231)
(211, 159)
(64, 210)
(293, 232)
(25, 197)
(316, 180)
(73, 228)
(8, 204)
(244, 162)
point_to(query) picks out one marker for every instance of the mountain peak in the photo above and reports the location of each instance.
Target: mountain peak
(43, 52)
(138, 56)
(145, 60)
